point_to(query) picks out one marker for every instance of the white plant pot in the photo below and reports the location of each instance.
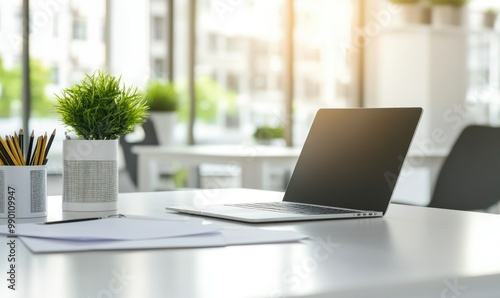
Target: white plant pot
(410, 13)
(90, 176)
(448, 15)
(164, 124)
(489, 20)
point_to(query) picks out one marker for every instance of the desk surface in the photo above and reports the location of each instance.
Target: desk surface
(411, 252)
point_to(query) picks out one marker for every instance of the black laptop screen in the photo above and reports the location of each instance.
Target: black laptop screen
(352, 157)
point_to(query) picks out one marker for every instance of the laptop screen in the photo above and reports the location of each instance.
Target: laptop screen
(352, 157)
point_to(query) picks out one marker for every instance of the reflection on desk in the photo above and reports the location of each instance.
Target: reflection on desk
(411, 252)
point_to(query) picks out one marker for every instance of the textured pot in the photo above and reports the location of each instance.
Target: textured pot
(90, 176)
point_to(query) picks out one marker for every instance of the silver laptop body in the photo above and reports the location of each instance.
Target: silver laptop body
(348, 168)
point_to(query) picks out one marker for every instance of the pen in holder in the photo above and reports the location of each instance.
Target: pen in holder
(23, 176)
(23, 191)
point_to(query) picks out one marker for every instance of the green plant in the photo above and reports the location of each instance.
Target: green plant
(268, 133)
(210, 98)
(449, 2)
(491, 11)
(404, 1)
(10, 89)
(162, 96)
(100, 108)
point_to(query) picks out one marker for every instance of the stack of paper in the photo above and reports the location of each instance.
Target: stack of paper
(124, 233)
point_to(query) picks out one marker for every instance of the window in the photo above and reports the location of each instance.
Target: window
(159, 68)
(55, 26)
(159, 27)
(239, 68)
(79, 28)
(55, 75)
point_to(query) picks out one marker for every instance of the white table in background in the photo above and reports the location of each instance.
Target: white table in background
(254, 161)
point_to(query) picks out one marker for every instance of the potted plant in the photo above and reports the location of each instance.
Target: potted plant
(412, 12)
(489, 18)
(98, 110)
(448, 12)
(163, 100)
(265, 134)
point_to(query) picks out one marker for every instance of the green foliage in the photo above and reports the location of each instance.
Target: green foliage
(404, 1)
(40, 78)
(10, 89)
(210, 95)
(99, 108)
(491, 11)
(268, 133)
(449, 2)
(162, 96)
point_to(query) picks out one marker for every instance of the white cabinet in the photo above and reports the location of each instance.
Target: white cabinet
(427, 67)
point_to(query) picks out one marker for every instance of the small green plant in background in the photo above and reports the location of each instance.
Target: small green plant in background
(491, 11)
(266, 133)
(162, 96)
(457, 3)
(404, 1)
(101, 108)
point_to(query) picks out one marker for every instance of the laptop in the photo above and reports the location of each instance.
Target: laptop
(347, 168)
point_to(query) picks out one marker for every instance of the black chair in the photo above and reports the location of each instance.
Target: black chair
(150, 138)
(470, 176)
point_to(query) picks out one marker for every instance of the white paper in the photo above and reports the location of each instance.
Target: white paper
(226, 237)
(40, 245)
(113, 229)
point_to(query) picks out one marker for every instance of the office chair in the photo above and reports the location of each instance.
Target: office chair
(150, 138)
(470, 176)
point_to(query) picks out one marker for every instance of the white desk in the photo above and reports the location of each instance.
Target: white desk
(411, 252)
(254, 161)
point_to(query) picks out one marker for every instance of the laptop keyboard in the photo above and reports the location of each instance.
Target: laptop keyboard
(287, 207)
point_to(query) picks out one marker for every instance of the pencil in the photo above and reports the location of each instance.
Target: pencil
(38, 150)
(35, 152)
(41, 158)
(17, 147)
(6, 152)
(48, 146)
(30, 147)
(5, 157)
(2, 159)
(13, 150)
(21, 142)
(13, 142)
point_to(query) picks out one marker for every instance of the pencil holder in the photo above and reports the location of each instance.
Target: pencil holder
(23, 191)
(90, 175)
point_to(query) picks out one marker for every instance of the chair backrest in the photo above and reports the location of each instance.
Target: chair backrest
(470, 175)
(150, 138)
